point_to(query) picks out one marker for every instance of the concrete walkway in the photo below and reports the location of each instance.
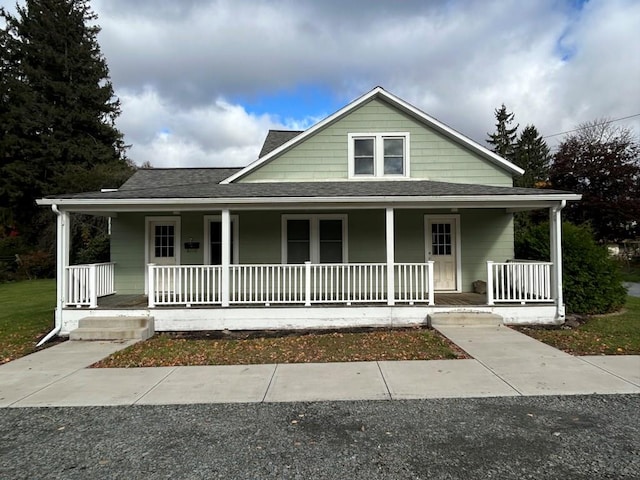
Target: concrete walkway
(506, 363)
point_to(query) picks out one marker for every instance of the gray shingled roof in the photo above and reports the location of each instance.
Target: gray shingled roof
(204, 183)
(173, 177)
(276, 138)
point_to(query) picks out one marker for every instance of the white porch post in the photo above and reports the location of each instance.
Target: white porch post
(555, 248)
(226, 257)
(391, 300)
(62, 260)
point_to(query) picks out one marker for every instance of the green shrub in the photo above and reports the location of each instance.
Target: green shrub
(592, 281)
(94, 250)
(37, 264)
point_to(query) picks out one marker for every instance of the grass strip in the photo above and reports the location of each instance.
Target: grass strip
(613, 334)
(26, 315)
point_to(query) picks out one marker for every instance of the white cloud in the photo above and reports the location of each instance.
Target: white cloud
(174, 63)
(170, 135)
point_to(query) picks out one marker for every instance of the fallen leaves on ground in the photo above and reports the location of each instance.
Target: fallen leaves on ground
(398, 344)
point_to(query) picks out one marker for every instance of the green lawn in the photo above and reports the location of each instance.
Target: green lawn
(631, 272)
(26, 315)
(613, 334)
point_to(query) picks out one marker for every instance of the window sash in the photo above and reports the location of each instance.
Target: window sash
(379, 155)
(316, 238)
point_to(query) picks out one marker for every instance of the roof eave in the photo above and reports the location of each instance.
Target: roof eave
(467, 200)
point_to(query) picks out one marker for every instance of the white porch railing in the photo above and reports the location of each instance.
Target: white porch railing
(185, 285)
(519, 281)
(267, 284)
(293, 284)
(86, 283)
(348, 283)
(414, 282)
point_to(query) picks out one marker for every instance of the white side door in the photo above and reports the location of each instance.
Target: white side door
(164, 249)
(441, 237)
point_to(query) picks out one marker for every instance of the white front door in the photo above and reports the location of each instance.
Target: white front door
(442, 248)
(163, 248)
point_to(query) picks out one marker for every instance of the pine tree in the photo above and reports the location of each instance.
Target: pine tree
(57, 106)
(504, 139)
(532, 154)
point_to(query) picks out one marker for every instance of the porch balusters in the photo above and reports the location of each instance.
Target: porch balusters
(519, 282)
(306, 284)
(84, 284)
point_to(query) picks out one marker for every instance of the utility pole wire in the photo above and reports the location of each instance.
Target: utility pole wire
(596, 125)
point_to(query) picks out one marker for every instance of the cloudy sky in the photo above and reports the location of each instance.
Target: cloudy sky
(201, 81)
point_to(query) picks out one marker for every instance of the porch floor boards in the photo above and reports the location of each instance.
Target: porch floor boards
(132, 302)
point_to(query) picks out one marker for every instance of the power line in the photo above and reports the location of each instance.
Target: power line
(589, 126)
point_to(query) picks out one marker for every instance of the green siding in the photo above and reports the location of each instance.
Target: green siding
(192, 229)
(260, 234)
(127, 251)
(366, 236)
(485, 235)
(433, 156)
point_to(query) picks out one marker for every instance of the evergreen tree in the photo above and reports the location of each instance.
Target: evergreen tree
(57, 107)
(531, 153)
(504, 139)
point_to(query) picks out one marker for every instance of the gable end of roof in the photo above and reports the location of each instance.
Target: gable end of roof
(380, 93)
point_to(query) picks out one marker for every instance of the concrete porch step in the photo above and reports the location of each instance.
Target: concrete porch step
(113, 328)
(464, 318)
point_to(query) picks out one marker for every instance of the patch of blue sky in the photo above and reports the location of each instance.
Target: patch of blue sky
(293, 105)
(565, 48)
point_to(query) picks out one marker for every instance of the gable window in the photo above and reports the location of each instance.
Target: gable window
(374, 155)
(315, 238)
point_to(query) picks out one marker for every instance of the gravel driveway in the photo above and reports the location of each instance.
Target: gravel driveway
(577, 437)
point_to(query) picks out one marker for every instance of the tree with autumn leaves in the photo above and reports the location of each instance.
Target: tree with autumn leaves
(601, 162)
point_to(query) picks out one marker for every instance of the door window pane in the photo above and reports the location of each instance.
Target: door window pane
(441, 238)
(330, 241)
(164, 241)
(298, 241)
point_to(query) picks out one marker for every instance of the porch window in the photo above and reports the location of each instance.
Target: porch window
(215, 236)
(315, 238)
(213, 239)
(374, 155)
(330, 241)
(298, 241)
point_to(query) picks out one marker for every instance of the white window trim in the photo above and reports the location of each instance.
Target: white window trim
(147, 253)
(378, 155)
(314, 234)
(458, 244)
(207, 234)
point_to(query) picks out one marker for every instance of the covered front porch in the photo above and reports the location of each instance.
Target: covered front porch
(250, 271)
